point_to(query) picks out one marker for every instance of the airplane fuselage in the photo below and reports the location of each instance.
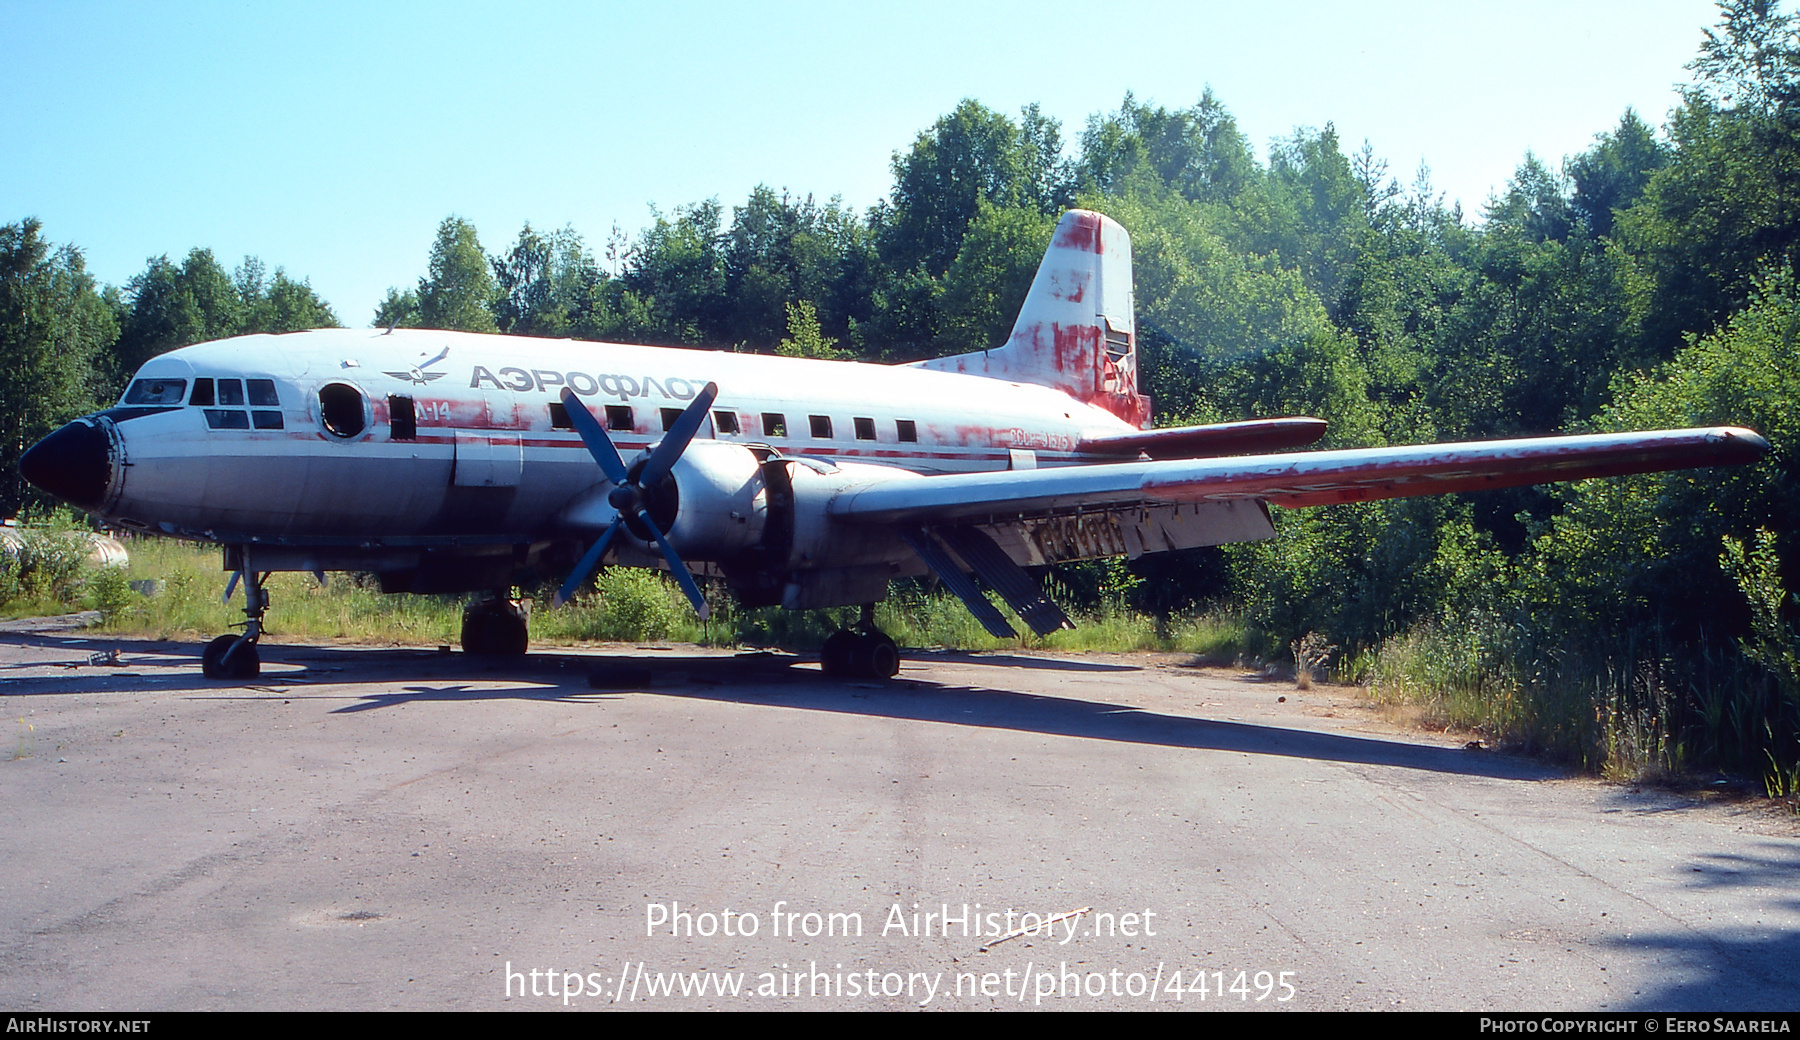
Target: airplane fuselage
(360, 442)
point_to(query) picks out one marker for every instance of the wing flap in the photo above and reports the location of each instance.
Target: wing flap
(1295, 479)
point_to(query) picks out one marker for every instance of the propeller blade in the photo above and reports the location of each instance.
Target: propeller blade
(677, 568)
(585, 569)
(676, 440)
(599, 445)
(231, 586)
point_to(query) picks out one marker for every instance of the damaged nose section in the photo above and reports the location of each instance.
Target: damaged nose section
(75, 464)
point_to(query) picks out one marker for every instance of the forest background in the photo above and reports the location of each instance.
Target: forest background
(1651, 281)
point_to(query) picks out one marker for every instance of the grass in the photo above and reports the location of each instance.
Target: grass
(190, 603)
(626, 606)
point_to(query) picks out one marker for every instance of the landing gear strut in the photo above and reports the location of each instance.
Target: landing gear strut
(494, 626)
(864, 652)
(235, 657)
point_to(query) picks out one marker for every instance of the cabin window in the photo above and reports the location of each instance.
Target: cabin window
(669, 417)
(559, 416)
(865, 429)
(262, 392)
(231, 392)
(203, 392)
(341, 409)
(403, 423)
(619, 417)
(908, 432)
(821, 426)
(156, 391)
(725, 422)
(774, 424)
(227, 419)
(266, 419)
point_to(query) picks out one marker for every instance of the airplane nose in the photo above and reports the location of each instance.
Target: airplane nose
(75, 464)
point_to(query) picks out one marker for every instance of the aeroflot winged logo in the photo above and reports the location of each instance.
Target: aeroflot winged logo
(418, 375)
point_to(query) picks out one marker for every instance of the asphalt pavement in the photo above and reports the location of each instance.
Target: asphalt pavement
(665, 827)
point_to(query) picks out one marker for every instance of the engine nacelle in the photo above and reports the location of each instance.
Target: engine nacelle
(715, 504)
(763, 519)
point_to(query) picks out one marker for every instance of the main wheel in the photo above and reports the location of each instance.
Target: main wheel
(836, 657)
(494, 629)
(246, 663)
(876, 656)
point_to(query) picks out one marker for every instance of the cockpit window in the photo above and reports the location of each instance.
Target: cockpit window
(203, 392)
(231, 391)
(156, 391)
(262, 392)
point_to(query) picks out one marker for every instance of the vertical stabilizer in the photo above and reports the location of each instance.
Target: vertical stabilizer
(1077, 331)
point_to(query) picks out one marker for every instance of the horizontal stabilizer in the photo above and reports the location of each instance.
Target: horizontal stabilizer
(1211, 441)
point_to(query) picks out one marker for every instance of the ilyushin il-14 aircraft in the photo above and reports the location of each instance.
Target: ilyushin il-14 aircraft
(450, 462)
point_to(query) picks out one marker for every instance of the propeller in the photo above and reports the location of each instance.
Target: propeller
(631, 497)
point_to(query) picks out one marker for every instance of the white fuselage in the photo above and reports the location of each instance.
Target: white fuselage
(487, 457)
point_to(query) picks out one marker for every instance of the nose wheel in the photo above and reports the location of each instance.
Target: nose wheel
(235, 656)
(863, 652)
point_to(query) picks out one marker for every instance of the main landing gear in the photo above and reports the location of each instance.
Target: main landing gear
(494, 626)
(235, 656)
(864, 652)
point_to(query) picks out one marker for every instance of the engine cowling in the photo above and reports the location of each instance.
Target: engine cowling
(763, 519)
(715, 504)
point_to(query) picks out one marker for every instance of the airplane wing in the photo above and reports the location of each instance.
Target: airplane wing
(1291, 479)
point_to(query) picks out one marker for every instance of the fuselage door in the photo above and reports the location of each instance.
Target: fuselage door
(488, 458)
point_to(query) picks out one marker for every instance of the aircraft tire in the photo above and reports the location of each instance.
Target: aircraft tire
(494, 630)
(837, 656)
(245, 664)
(876, 656)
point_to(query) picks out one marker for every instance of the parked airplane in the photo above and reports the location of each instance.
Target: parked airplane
(452, 462)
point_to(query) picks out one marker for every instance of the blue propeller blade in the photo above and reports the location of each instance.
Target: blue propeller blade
(585, 569)
(632, 494)
(677, 568)
(674, 442)
(599, 445)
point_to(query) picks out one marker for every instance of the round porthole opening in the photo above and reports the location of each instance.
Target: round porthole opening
(341, 409)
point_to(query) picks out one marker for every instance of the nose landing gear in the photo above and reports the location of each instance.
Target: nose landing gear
(235, 657)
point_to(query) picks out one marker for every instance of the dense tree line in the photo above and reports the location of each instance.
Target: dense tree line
(1649, 281)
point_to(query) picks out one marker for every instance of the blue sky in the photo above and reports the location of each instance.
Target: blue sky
(330, 139)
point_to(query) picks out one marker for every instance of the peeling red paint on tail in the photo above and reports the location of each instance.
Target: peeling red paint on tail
(1076, 331)
(1082, 233)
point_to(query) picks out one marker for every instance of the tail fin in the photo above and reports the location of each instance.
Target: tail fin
(1077, 331)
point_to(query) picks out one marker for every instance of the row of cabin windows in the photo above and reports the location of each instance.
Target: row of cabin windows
(224, 401)
(774, 424)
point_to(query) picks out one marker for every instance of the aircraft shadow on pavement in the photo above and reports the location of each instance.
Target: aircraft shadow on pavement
(1740, 968)
(752, 678)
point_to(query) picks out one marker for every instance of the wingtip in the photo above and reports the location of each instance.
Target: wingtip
(1755, 440)
(1745, 445)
